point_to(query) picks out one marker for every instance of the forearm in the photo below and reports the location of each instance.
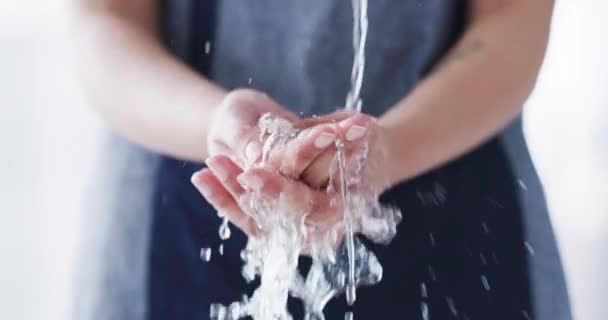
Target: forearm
(478, 88)
(140, 90)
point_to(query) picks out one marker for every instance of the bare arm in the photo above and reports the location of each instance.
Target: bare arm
(140, 90)
(478, 88)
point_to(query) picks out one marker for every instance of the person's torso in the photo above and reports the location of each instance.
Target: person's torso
(301, 52)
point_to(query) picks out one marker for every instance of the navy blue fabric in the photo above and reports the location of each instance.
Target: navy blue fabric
(462, 224)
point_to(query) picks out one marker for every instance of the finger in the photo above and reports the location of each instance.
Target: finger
(215, 193)
(320, 208)
(264, 182)
(327, 210)
(226, 171)
(354, 128)
(352, 133)
(250, 143)
(240, 132)
(317, 174)
(305, 148)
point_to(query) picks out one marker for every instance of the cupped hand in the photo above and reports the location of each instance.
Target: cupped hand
(313, 161)
(227, 187)
(366, 158)
(300, 170)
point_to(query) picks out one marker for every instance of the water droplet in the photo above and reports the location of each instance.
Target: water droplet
(348, 316)
(217, 311)
(522, 185)
(431, 239)
(483, 259)
(424, 308)
(432, 274)
(529, 247)
(250, 80)
(524, 313)
(205, 254)
(423, 290)
(224, 230)
(451, 305)
(484, 227)
(351, 294)
(220, 249)
(207, 47)
(484, 281)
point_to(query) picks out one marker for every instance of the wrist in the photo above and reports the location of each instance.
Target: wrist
(211, 116)
(390, 146)
(400, 147)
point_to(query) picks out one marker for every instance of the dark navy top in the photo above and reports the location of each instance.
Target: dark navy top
(476, 240)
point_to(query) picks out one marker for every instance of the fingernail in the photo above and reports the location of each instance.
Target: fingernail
(202, 186)
(250, 181)
(195, 177)
(218, 169)
(355, 132)
(324, 140)
(252, 151)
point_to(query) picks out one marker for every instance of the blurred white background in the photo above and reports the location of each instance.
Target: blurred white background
(49, 143)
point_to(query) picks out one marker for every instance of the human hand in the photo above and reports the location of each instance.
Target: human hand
(220, 186)
(365, 154)
(227, 187)
(235, 124)
(308, 147)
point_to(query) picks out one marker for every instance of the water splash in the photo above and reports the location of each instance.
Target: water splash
(205, 254)
(273, 257)
(482, 257)
(224, 230)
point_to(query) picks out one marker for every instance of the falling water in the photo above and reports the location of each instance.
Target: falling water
(353, 102)
(224, 230)
(353, 99)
